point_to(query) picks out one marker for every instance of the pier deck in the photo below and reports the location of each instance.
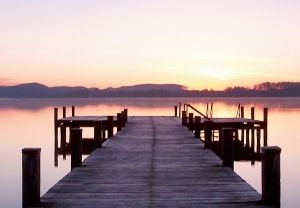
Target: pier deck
(152, 162)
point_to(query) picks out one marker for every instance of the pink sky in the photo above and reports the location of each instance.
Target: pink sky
(200, 44)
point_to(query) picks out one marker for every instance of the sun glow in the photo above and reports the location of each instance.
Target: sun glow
(214, 73)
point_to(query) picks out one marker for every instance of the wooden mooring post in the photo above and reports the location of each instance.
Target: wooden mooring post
(175, 110)
(126, 115)
(76, 147)
(63, 133)
(191, 121)
(184, 118)
(110, 126)
(55, 137)
(97, 134)
(31, 176)
(119, 121)
(271, 175)
(208, 134)
(73, 110)
(179, 111)
(227, 147)
(242, 130)
(252, 130)
(265, 126)
(197, 126)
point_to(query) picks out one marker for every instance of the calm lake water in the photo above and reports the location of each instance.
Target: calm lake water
(29, 123)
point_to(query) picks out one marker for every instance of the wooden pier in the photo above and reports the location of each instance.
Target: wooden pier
(152, 162)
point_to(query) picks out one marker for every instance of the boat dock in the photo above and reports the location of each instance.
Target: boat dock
(152, 162)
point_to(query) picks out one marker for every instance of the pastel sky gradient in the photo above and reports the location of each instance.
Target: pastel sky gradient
(101, 43)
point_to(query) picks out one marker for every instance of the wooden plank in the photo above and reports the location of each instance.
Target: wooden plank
(152, 162)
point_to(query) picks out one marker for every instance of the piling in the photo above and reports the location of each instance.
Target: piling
(179, 109)
(76, 147)
(242, 130)
(175, 110)
(265, 118)
(197, 126)
(73, 110)
(208, 134)
(119, 121)
(227, 147)
(271, 175)
(97, 134)
(55, 137)
(191, 121)
(64, 112)
(110, 126)
(258, 145)
(252, 130)
(31, 176)
(126, 115)
(184, 118)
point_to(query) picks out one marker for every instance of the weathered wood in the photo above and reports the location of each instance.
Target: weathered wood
(258, 136)
(110, 126)
(179, 110)
(153, 162)
(64, 112)
(197, 126)
(31, 176)
(242, 130)
(76, 147)
(63, 137)
(55, 137)
(73, 110)
(126, 115)
(265, 118)
(97, 134)
(184, 118)
(271, 175)
(191, 121)
(208, 133)
(252, 130)
(119, 121)
(227, 147)
(175, 109)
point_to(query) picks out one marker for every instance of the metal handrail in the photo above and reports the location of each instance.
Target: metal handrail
(185, 107)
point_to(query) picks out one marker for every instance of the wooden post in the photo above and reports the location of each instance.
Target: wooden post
(258, 141)
(208, 133)
(76, 147)
(97, 134)
(73, 110)
(227, 147)
(265, 126)
(63, 137)
(247, 137)
(110, 126)
(126, 115)
(197, 126)
(175, 109)
(31, 170)
(252, 130)
(242, 112)
(242, 130)
(184, 118)
(191, 121)
(119, 121)
(64, 112)
(179, 109)
(55, 137)
(271, 175)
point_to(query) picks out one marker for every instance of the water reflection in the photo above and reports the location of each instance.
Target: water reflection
(29, 123)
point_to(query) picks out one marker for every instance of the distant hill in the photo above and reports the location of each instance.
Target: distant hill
(36, 90)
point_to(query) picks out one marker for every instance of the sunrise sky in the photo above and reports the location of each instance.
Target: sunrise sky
(101, 43)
